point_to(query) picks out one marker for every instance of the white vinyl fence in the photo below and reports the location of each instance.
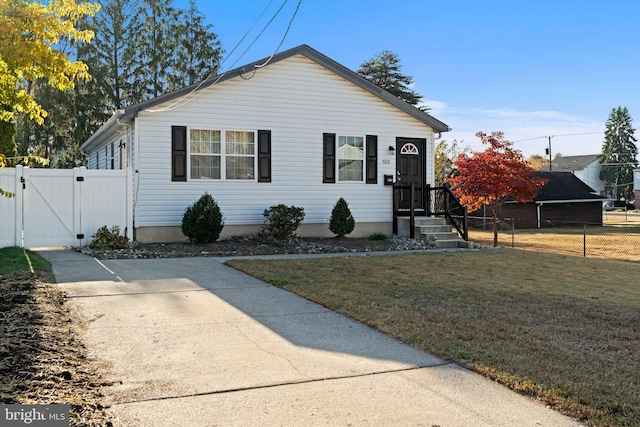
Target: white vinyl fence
(63, 207)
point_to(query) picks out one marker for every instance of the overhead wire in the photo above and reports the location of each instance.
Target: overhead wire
(177, 103)
(183, 99)
(255, 67)
(553, 136)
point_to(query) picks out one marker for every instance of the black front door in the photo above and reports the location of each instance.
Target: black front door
(410, 168)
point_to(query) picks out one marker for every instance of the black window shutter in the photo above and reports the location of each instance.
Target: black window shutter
(329, 157)
(264, 156)
(372, 159)
(178, 153)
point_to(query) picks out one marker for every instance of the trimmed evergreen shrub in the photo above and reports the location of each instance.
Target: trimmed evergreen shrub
(378, 236)
(106, 238)
(202, 222)
(281, 222)
(341, 222)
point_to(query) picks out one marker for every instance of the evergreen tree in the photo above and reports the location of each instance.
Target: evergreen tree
(141, 49)
(199, 50)
(111, 57)
(619, 154)
(384, 70)
(341, 222)
(156, 45)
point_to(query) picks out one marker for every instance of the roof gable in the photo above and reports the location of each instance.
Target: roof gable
(571, 163)
(128, 113)
(313, 55)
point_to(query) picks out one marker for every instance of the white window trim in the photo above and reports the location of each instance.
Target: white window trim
(223, 154)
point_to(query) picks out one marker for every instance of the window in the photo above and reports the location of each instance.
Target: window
(112, 158)
(240, 150)
(206, 153)
(350, 158)
(215, 154)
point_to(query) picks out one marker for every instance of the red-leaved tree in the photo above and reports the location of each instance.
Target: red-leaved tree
(493, 176)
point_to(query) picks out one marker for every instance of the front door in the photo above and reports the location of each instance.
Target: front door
(410, 168)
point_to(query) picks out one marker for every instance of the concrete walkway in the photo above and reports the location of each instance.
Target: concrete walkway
(191, 342)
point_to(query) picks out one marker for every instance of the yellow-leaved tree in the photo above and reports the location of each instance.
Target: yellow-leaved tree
(29, 33)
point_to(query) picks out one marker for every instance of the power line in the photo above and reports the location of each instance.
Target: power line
(553, 136)
(181, 101)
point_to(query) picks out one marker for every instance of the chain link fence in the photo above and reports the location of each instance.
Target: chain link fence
(612, 240)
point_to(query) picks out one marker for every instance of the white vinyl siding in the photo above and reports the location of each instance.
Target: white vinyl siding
(298, 100)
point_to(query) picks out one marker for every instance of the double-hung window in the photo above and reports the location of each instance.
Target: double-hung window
(240, 154)
(219, 154)
(350, 158)
(206, 153)
(354, 157)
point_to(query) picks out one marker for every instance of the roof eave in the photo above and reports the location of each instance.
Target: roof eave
(106, 131)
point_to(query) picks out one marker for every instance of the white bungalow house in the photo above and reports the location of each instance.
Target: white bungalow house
(298, 129)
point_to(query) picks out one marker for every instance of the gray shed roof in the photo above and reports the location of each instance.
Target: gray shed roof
(571, 163)
(128, 113)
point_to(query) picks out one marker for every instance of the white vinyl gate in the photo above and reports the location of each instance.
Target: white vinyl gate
(63, 207)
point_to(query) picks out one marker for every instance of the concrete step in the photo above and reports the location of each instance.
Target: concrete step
(448, 243)
(437, 235)
(421, 228)
(434, 229)
(422, 220)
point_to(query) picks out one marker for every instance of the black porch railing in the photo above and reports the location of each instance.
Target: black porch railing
(411, 201)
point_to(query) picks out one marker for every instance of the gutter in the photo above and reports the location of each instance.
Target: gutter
(95, 139)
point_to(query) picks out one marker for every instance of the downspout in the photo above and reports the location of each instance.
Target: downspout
(538, 206)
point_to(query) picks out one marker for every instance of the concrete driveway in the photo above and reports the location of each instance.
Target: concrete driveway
(192, 342)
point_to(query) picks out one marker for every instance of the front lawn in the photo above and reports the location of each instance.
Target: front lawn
(562, 328)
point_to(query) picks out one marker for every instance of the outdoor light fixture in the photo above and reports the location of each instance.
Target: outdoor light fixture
(391, 149)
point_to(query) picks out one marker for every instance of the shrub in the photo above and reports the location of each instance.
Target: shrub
(341, 221)
(378, 236)
(281, 222)
(106, 238)
(202, 222)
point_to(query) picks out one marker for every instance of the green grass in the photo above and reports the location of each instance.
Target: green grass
(562, 328)
(14, 259)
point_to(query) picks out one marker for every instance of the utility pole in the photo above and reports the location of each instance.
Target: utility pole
(548, 150)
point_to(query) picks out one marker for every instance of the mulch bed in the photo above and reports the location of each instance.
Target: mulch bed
(42, 357)
(252, 245)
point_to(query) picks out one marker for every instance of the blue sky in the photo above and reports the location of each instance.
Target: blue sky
(529, 68)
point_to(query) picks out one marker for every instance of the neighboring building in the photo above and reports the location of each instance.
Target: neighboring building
(563, 200)
(586, 167)
(298, 129)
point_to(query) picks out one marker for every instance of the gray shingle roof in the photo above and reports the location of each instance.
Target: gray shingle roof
(564, 186)
(571, 163)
